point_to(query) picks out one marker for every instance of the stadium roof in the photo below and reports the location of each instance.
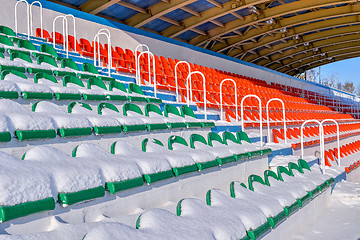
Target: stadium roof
(289, 36)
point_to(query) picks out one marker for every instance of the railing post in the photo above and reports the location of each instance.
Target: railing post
(188, 80)
(27, 17)
(74, 28)
(221, 99)
(108, 36)
(268, 117)
(65, 33)
(260, 112)
(137, 62)
(176, 78)
(154, 69)
(337, 133)
(321, 134)
(41, 19)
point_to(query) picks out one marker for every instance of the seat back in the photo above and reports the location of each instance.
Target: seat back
(20, 55)
(176, 139)
(81, 104)
(228, 136)
(197, 138)
(303, 164)
(131, 107)
(6, 41)
(46, 59)
(283, 170)
(242, 136)
(93, 81)
(7, 31)
(106, 105)
(152, 108)
(45, 48)
(70, 64)
(88, 67)
(117, 85)
(146, 140)
(26, 44)
(187, 111)
(214, 137)
(171, 109)
(268, 174)
(71, 79)
(135, 88)
(254, 178)
(293, 166)
(8, 71)
(46, 76)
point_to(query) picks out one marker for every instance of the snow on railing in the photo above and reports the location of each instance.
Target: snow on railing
(176, 78)
(260, 112)
(221, 99)
(321, 136)
(188, 81)
(137, 62)
(27, 17)
(268, 117)
(151, 55)
(338, 137)
(41, 18)
(97, 40)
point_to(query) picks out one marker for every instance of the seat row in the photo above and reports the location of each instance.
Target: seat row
(44, 169)
(248, 213)
(47, 119)
(331, 155)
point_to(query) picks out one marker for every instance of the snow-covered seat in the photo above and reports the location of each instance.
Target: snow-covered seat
(286, 199)
(153, 166)
(89, 71)
(202, 158)
(129, 124)
(293, 187)
(175, 120)
(25, 188)
(137, 92)
(24, 86)
(215, 218)
(251, 216)
(271, 208)
(100, 124)
(192, 121)
(119, 172)
(67, 125)
(25, 124)
(222, 155)
(93, 92)
(181, 163)
(117, 92)
(74, 180)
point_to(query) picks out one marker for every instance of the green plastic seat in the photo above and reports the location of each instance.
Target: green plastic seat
(7, 31)
(171, 109)
(10, 94)
(152, 108)
(5, 136)
(176, 139)
(81, 196)
(43, 59)
(242, 136)
(37, 134)
(46, 76)
(218, 161)
(229, 137)
(2, 51)
(90, 68)
(114, 85)
(6, 41)
(48, 49)
(71, 79)
(304, 165)
(22, 43)
(187, 111)
(130, 107)
(14, 56)
(24, 209)
(95, 82)
(252, 233)
(134, 88)
(83, 105)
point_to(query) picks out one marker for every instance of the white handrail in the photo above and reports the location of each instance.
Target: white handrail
(74, 25)
(204, 86)
(321, 134)
(137, 62)
(268, 117)
(27, 15)
(260, 111)
(338, 136)
(65, 33)
(109, 45)
(221, 99)
(176, 78)
(97, 41)
(154, 69)
(41, 19)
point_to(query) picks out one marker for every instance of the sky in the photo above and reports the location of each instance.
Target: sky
(345, 70)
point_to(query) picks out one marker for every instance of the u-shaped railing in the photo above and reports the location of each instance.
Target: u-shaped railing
(268, 117)
(137, 61)
(321, 136)
(97, 41)
(65, 32)
(27, 17)
(176, 78)
(41, 18)
(221, 99)
(260, 112)
(74, 29)
(338, 136)
(152, 57)
(188, 81)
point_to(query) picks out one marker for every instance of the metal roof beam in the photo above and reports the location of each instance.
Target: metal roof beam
(195, 13)
(215, 3)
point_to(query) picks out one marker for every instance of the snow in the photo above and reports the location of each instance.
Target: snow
(216, 151)
(22, 181)
(68, 174)
(148, 162)
(268, 205)
(291, 187)
(283, 197)
(7, 86)
(124, 120)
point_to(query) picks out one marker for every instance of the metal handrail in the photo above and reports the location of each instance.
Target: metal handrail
(268, 121)
(74, 29)
(27, 15)
(41, 19)
(338, 136)
(221, 99)
(154, 69)
(97, 36)
(321, 136)
(176, 78)
(260, 110)
(137, 63)
(65, 33)
(204, 86)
